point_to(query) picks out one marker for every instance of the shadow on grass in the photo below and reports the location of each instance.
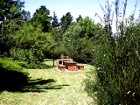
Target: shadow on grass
(18, 82)
(40, 85)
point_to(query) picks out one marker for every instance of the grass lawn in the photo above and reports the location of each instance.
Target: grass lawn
(51, 87)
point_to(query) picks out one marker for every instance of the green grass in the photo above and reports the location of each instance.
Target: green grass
(51, 87)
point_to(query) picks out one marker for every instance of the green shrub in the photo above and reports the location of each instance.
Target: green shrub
(28, 59)
(9, 65)
(23, 64)
(24, 55)
(30, 44)
(37, 66)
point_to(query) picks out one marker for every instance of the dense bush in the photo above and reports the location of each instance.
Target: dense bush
(31, 45)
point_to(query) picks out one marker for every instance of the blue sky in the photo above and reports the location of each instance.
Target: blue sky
(76, 7)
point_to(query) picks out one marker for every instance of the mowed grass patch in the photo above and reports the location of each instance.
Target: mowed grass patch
(51, 87)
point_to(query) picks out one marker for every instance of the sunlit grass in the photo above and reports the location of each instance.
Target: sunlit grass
(69, 89)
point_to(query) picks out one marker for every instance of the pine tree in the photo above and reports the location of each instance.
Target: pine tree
(41, 17)
(55, 22)
(10, 20)
(66, 20)
(80, 17)
(10, 9)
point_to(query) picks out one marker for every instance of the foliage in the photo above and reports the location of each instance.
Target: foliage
(9, 72)
(78, 40)
(55, 22)
(89, 28)
(41, 17)
(79, 17)
(8, 64)
(30, 44)
(10, 9)
(12, 17)
(66, 20)
(26, 16)
(117, 62)
(20, 40)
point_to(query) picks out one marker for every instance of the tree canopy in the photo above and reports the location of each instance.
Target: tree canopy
(55, 22)
(66, 20)
(41, 17)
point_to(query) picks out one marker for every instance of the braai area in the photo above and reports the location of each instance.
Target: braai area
(67, 63)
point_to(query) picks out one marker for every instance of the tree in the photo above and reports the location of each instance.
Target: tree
(79, 40)
(89, 28)
(10, 9)
(79, 17)
(31, 44)
(55, 22)
(41, 17)
(26, 15)
(10, 20)
(66, 20)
